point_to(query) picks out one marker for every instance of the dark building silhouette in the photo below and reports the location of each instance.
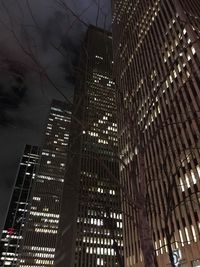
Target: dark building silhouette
(18, 207)
(41, 228)
(156, 67)
(94, 225)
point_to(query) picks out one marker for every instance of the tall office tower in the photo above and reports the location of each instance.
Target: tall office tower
(40, 236)
(157, 59)
(16, 215)
(94, 145)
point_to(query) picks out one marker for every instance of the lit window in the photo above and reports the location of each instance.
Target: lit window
(193, 50)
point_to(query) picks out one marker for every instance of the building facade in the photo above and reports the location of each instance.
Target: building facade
(17, 212)
(41, 229)
(156, 67)
(98, 219)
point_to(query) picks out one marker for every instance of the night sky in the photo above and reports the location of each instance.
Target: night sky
(38, 37)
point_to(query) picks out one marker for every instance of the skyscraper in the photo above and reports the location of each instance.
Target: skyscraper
(98, 230)
(17, 211)
(157, 59)
(41, 229)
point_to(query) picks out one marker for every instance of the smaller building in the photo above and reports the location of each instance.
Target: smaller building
(15, 220)
(41, 231)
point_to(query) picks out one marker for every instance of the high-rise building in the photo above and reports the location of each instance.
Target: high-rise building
(156, 67)
(98, 226)
(41, 228)
(17, 211)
